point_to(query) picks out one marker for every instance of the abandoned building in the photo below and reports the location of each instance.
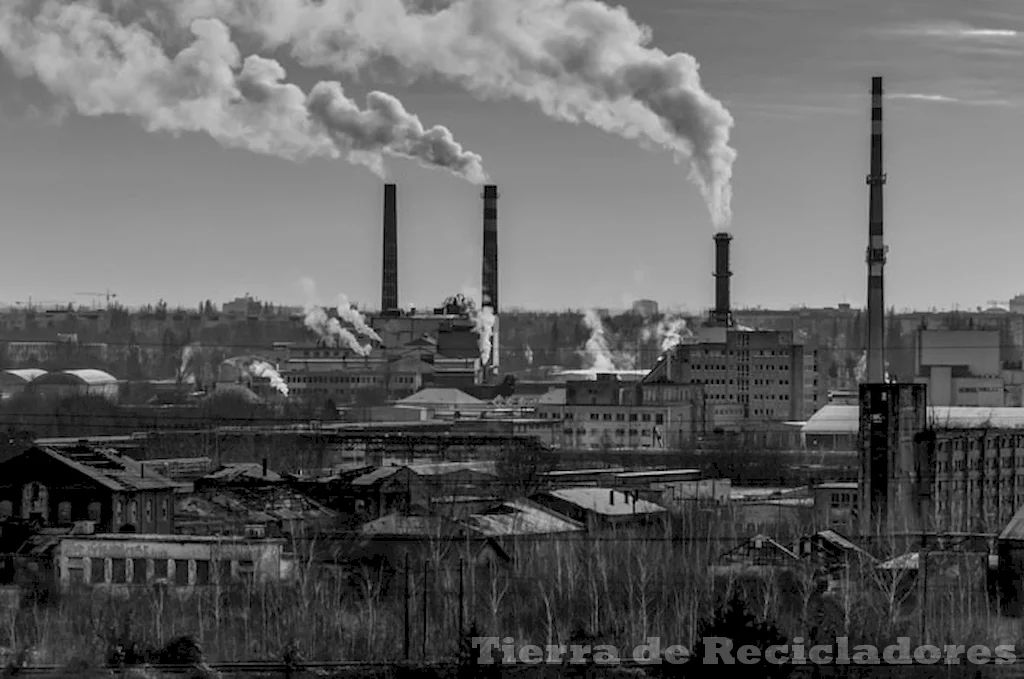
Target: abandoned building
(114, 492)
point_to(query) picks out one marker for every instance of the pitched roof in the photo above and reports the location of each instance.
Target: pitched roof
(254, 505)
(1015, 528)
(522, 517)
(441, 396)
(239, 471)
(606, 501)
(25, 374)
(107, 468)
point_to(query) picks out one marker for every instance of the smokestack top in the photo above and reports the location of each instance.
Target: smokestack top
(723, 236)
(490, 192)
(876, 85)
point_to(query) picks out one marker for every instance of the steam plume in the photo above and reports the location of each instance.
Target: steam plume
(669, 332)
(188, 356)
(351, 315)
(329, 330)
(260, 368)
(598, 354)
(103, 67)
(483, 324)
(528, 354)
(577, 60)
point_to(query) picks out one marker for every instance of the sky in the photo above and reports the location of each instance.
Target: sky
(586, 218)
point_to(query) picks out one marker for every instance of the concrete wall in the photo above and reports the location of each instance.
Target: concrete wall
(978, 350)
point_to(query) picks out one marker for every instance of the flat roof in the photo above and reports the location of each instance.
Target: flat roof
(160, 537)
(658, 472)
(839, 485)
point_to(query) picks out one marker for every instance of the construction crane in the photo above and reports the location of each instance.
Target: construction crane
(97, 295)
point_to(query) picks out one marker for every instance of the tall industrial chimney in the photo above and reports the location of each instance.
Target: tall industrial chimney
(489, 280)
(389, 280)
(876, 245)
(722, 314)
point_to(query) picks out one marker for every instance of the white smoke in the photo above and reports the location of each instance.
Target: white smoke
(860, 371)
(670, 332)
(528, 354)
(483, 325)
(187, 369)
(263, 369)
(598, 354)
(329, 330)
(104, 67)
(348, 313)
(577, 60)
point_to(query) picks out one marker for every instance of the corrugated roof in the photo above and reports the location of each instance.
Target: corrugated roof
(442, 396)
(522, 518)
(254, 505)
(838, 540)
(606, 501)
(844, 419)
(398, 525)
(376, 475)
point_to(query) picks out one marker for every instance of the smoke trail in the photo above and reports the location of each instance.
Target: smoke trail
(528, 354)
(103, 67)
(860, 371)
(188, 355)
(351, 315)
(577, 60)
(598, 354)
(669, 331)
(483, 325)
(329, 330)
(263, 369)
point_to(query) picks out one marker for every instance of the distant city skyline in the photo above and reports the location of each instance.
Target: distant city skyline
(586, 219)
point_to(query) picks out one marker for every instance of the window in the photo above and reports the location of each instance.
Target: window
(163, 509)
(64, 512)
(98, 568)
(224, 571)
(149, 511)
(6, 509)
(160, 569)
(202, 572)
(94, 511)
(118, 571)
(181, 572)
(139, 571)
(133, 512)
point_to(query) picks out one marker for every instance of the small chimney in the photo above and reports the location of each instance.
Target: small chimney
(389, 272)
(264, 467)
(611, 497)
(722, 315)
(142, 470)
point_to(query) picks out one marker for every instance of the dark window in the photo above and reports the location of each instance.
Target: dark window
(94, 511)
(160, 568)
(224, 570)
(202, 572)
(181, 571)
(118, 570)
(64, 512)
(98, 574)
(139, 571)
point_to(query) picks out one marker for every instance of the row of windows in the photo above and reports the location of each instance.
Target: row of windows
(597, 433)
(140, 571)
(659, 418)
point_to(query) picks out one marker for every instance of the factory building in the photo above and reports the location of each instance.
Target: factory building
(747, 379)
(611, 413)
(961, 367)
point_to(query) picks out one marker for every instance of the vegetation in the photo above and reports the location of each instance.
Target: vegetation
(620, 589)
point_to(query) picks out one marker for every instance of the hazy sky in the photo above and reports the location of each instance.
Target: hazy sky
(585, 218)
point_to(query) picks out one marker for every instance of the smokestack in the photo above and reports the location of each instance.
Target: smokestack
(389, 281)
(489, 281)
(722, 315)
(876, 245)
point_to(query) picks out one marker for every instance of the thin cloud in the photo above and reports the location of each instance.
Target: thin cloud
(946, 99)
(952, 31)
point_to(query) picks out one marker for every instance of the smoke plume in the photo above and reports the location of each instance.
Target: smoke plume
(528, 354)
(101, 66)
(330, 330)
(598, 354)
(579, 61)
(351, 315)
(669, 332)
(263, 369)
(483, 325)
(186, 369)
